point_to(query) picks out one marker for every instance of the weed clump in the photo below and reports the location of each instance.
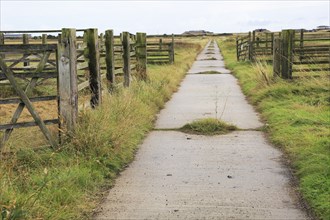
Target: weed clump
(208, 126)
(211, 58)
(209, 72)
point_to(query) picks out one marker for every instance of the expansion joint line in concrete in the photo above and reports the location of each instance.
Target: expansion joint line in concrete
(262, 128)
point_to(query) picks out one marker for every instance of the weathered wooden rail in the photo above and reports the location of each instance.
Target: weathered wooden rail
(161, 51)
(242, 48)
(262, 46)
(8, 71)
(74, 64)
(301, 52)
(255, 46)
(289, 51)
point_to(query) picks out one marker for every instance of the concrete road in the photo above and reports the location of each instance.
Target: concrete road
(182, 176)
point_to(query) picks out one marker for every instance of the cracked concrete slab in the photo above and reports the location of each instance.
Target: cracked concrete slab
(201, 66)
(208, 95)
(209, 60)
(183, 176)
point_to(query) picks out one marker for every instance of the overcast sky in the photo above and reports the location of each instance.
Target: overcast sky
(158, 17)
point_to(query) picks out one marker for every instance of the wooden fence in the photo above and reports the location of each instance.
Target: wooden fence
(261, 47)
(161, 51)
(311, 52)
(73, 64)
(44, 57)
(255, 46)
(242, 47)
(301, 52)
(290, 51)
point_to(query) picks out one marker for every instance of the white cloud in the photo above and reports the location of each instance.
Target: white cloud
(163, 16)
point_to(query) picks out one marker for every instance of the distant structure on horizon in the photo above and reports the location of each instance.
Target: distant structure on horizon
(323, 28)
(197, 33)
(262, 30)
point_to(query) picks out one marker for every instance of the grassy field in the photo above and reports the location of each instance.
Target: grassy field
(297, 115)
(68, 183)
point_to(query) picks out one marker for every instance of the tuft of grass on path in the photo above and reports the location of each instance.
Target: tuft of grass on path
(211, 58)
(68, 183)
(298, 116)
(208, 126)
(209, 72)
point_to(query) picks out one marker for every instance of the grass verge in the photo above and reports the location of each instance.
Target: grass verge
(298, 117)
(68, 183)
(208, 126)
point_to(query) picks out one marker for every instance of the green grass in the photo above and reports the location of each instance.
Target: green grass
(208, 126)
(68, 183)
(298, 116)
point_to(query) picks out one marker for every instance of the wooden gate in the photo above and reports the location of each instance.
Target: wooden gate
(242, 47)
(301, 53)
(23, 67)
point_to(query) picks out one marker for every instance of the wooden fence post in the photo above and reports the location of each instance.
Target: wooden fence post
(237, 49)
(141, 55)
(2, 42)
(67, 79)
(59, 37)
(101, 39)
(301, 44)
(92, 54)
(251, 51)
(247, 53)
(172, 50)
(272, 43)
(126, 58)
(2, 38)
(121, 37)
(26, 41)
(44, 38)
(160, 43)
(251, 46)
(109, 58)
(277, 57)
(287, 53)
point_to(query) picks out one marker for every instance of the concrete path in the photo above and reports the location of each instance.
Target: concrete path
(182, 176)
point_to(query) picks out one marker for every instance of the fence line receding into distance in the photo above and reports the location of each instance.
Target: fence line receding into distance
(290, 51)
(70, 64)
